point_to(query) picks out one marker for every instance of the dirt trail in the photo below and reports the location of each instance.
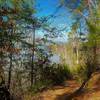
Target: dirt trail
(62, 92)
(58, 91)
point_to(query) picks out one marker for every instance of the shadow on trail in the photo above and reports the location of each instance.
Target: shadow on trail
(69, 96)
(77, 93)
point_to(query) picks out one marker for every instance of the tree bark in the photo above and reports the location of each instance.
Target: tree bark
(10, 71)
(32, 63)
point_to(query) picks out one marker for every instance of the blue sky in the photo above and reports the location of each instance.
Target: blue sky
(48, 7)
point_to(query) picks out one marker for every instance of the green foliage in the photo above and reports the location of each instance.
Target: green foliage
(81, 74)
(52, 75)
(84, 72)
(40, 86)
(57, 73)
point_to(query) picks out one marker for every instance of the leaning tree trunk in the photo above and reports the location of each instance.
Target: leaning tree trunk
(83, 84)
(91, 68)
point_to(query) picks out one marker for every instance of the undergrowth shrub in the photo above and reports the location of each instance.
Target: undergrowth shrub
(57, 73)
(40, 85)
(51, 75)
(80, 73)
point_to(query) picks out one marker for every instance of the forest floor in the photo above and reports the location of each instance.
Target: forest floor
(67, 91)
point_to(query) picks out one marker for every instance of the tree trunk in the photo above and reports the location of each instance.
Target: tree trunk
(83, 85)
(85, 82)
(32, 63)
(10, 71)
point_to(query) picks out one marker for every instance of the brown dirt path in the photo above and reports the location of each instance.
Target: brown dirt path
(63, 92)
(56, 91)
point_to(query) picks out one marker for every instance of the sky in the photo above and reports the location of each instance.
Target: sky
(48, 7)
